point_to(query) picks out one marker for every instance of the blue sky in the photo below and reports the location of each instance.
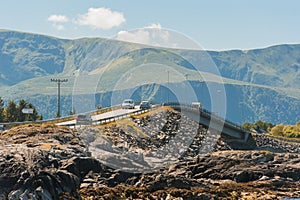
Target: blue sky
(214, 24)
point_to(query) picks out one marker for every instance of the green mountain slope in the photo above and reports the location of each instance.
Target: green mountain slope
(277, 66)
(260, 84)
(24, 56)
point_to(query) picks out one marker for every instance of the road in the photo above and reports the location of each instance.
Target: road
(114, 113)
(204, 117)
(96, 118)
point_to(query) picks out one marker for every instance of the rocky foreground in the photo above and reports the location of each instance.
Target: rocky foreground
(50, 162)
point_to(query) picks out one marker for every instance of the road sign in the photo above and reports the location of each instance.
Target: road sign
(27, 110)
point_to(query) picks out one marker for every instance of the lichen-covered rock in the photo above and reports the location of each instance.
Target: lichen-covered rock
(51, 162)
(38, 162)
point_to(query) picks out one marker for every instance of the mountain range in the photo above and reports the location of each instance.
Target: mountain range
(259, 84)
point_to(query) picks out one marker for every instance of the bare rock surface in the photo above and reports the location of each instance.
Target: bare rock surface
(51, 162)
(42, 162)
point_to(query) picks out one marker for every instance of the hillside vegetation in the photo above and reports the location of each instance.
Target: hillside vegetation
(276, 66)
(279, 130)
(14, 112)
(261, 84)
(290, 131)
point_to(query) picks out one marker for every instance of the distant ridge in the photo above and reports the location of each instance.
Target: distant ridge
(260, 83)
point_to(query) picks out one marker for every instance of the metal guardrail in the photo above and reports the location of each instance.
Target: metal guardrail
(175, 105)
(206, 113)
(114, 118)
(118, 117)
(58, 120)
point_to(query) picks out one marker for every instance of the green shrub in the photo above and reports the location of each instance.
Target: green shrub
(277, 130)
(290, 131)
(259, 125)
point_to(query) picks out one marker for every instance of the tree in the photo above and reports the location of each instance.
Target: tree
(248, 126)
(99, 107)
(277, 130)
(265, 126)
(11, 112)
(258, 126)
(34, 116)
(40, 117)
(21, 116)
(1, 110)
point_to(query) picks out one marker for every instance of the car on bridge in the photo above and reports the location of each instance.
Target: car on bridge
(197, 105)
(83, 119)
(128, 104)
(144, 105)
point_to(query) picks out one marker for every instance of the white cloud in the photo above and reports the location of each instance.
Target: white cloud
(58, 18)
(140, 36)
(156, 35)
(158, 26)
(101, 18)
(150, 35)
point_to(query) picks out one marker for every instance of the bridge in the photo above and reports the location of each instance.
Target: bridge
(106, 115)
(230, 131)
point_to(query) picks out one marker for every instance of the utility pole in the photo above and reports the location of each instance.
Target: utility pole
(58, 81)
(168, 85)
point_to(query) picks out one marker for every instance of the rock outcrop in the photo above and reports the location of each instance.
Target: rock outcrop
(41, 162)
(51, 162)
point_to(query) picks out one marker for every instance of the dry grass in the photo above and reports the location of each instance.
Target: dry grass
(226, 190)
(257, 190)
(29, 128)
(286, 139)
(127, 123)
(48, 146)
(154, 111)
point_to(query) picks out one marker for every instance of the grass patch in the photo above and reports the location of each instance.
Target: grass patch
(154, 111)
(284, 138)
(288, 131)
(225, 190)
(48, 146)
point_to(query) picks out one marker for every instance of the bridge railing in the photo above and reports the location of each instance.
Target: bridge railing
(206, 113)
(117, 117)
(175, 105)
(58, 120)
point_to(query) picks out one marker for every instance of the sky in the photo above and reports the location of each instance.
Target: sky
(213, 24)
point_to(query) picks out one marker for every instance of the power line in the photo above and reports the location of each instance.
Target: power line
(58, 81)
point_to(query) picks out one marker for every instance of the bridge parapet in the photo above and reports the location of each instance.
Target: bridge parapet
(207, 118)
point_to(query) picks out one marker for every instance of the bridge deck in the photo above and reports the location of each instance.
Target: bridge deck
(204, 117)
(213, 121)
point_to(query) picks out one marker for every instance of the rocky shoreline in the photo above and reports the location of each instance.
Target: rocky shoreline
(50, 162)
